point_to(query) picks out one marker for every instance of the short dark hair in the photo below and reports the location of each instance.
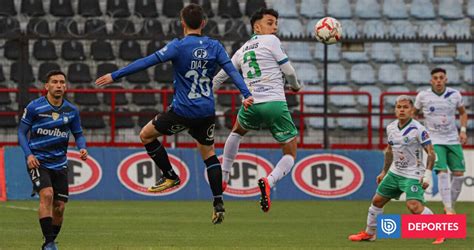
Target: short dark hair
(53, 73)
(258, 15)
(437, 70)
(193, 15)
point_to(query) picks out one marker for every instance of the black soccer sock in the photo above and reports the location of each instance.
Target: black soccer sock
(158, 153)
(56, 229)
(214, 174)
(47, 229)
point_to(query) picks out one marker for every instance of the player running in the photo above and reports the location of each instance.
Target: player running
(403, 170)
(262, 62)
(194, 58)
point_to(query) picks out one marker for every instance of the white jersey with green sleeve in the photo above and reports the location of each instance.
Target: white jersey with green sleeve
(440, 114)
(407, 147)
(260, 59)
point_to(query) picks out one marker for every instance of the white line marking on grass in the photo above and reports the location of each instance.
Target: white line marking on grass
(21, 208)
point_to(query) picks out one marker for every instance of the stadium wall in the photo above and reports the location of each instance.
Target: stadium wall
(124, 174)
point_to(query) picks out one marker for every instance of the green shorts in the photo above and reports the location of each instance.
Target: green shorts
(273, 115)
(392, 186)
(449, 156)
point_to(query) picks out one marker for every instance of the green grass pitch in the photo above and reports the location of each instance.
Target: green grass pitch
(187, 224)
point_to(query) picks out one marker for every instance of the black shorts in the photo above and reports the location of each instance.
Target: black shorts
(201, 129)
(57, 179)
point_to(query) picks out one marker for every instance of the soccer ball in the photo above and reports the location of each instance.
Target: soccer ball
(328, 30)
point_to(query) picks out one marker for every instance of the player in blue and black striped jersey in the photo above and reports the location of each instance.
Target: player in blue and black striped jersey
(43, 135)
(195, 59)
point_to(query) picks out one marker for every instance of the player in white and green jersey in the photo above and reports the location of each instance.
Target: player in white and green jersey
(403, 171)
(439, 105)
(263, 64)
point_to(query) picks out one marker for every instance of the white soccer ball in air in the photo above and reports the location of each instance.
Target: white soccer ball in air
(328, 30)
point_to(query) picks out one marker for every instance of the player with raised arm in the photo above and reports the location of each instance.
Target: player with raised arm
(194, 59)
(403, 170)
(49, 120)
(263, 64)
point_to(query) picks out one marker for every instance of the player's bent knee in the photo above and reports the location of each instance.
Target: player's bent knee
(415, 206)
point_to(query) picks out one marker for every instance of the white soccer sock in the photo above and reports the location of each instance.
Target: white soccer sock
(282, 168)
(372, 219)
(444, 189)
(231, 148)
(427, 211)
(456, 186)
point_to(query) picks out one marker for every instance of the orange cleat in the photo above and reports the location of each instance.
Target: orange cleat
(439, 240)
(362, 236)
(265, 202)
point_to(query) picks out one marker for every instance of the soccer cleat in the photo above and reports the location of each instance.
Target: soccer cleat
(449, 211)
(224, 186)
(162, 184)
(439, 240)
(49, 246)
(218, 213)
(362, 236)
(265, 202)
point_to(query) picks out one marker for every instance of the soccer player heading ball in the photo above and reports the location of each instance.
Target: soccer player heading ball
(194, 58)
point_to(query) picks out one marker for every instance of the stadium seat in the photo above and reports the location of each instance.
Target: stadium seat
(146, 8)
(468, 74)
(130, 50)
(92, 121)
(450, 9)
(8, 121)
(171, 8)
(9, 26)
(17, 72)
(292, 100)
(140, 77)
(312, 9)
(206, 6)
(164, 73)
(411, 53)
(402, 29)
(101, 51)
(61, 8)
(391, 74)
(336, 74)
(46, 67)
(470, 8)
(418, 74)
(146, 115)
(362, 73)
(297, 51)
(86, 99)
(120, 98)
(383, 52)
(285, 8)
(4, 97)
(106, 68)
(339, 9)
(296, 116)
(395, 9)
(79, 73)
(66, 27)
(8, 8)
(430, 29)
(334, 52)
(355, 56)
(374, 29)
(38, 26)
(464, 52)
(11, 49)
(351, 29)
(95, 27)
(89, 8)
(211, 29)
(32, 8)
(225, 100)
(117, 8)
(153, 46)
(342, 100)
(390, 99)
(235, 29)
(44, 50)
(253, 5)
(72, 50)
(459, 29)
(452, 73)
(350, 123)
(2, 75)
(229, 9)
(290, 27)
(441, 57)
(367, 9)
(375, 93)
(313, 100)
(123, 119)
(307, 73)
(144, 99)
(422, 9)
(152, 28)
(123, 27)
(175, 29)
(318, 122)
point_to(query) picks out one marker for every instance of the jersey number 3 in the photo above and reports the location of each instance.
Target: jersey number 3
(202, 80)
(251, 58)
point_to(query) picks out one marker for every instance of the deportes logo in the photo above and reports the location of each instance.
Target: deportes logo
(137, 172)
(244, 175)
(327, 176)
(83, 175)
(388, 226)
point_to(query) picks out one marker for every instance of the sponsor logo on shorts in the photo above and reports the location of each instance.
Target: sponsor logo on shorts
(82, 175)
(210, 132)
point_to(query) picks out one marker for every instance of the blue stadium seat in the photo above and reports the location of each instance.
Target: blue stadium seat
(334, 52)
(418, 74)
(350, 29)
(44, 50)
(61, 8)
(375, 94)
(8, 8)
(290, 27)
(464, 52)
(32, 8)
(411, 53)
(422, 9)
(339, 9)
(313, 100)
(395, 9)
(468, 74)
(146, 8)
(117, 8)
(336, 73)
(310, 27)
(430, 29)
(450, 9)
(307, 73)
(318, 122)
(374, 29)
(355, 56)
(452, 73)
(342, 100)
(367, 9)
(470, 8)
(390, 99)
(402, 29)
(467, 100)
(362, 73)
(350, 123)
(298, 51)
(459, 29)
(391, 74)
(72, 51)
(285, 8)
(89, 8)
(438, 57)
(383, 52)
(312, 9)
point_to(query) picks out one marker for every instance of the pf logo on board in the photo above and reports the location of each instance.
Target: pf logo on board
(137, 172)
(82, 175)
(246, 170)
(327, 176)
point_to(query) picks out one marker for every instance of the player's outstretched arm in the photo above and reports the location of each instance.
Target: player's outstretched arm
(290, 76)
(219, 79)
(388, 159)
